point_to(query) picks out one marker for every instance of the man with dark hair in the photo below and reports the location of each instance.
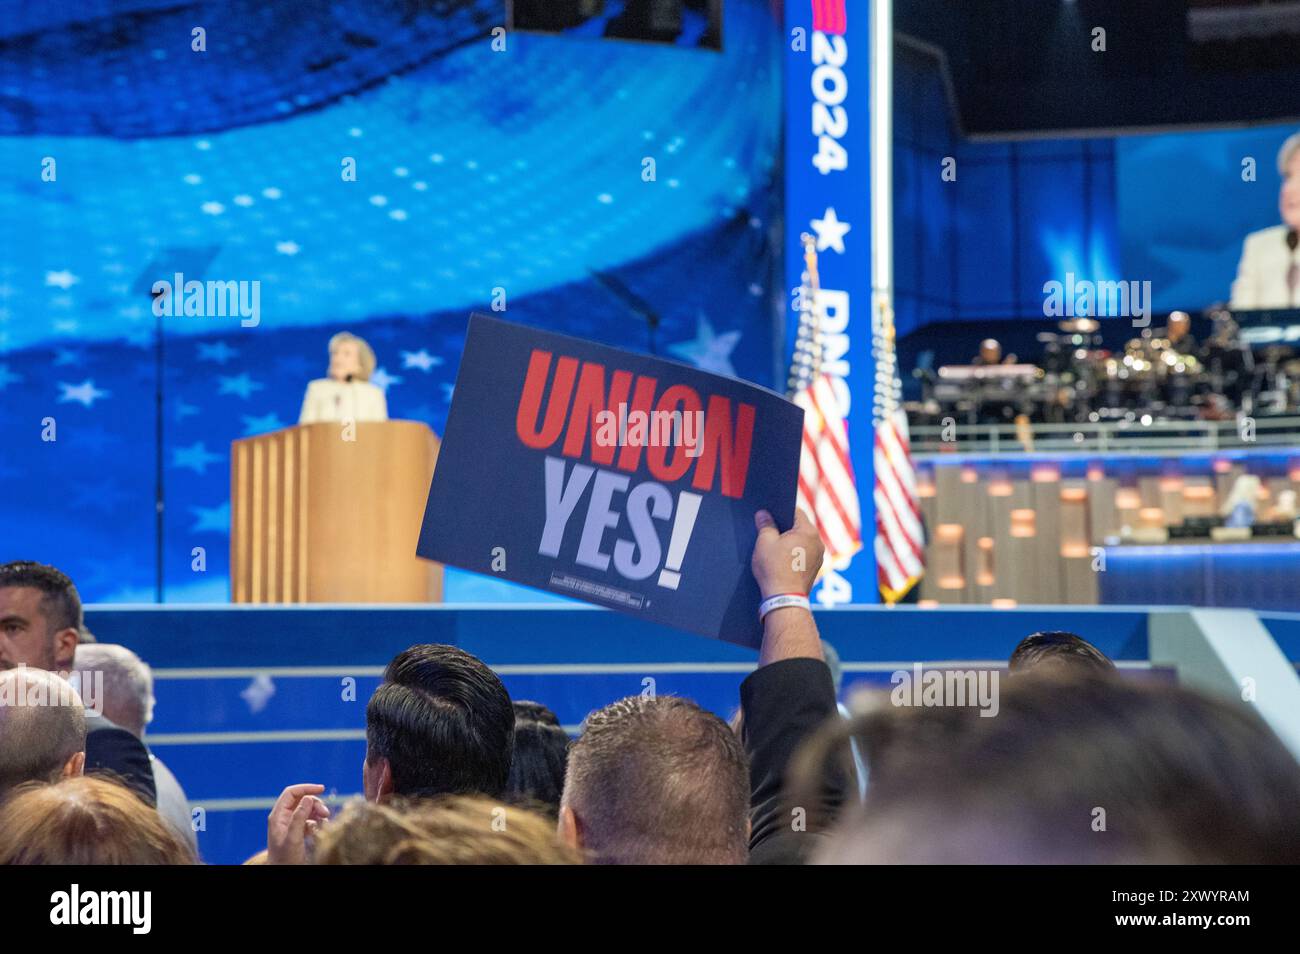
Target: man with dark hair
(40, 625)
(541, 753)
(526, 710)
(440, 723)
(40, 617)
(656, 780)
(1056, 651)
(1075, 769)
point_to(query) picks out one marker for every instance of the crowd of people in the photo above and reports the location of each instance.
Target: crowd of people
(1078, 763)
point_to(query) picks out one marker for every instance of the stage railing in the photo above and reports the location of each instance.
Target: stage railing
(1122, 437)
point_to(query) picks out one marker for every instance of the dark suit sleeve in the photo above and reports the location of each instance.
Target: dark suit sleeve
(116, 752)
(783, 704)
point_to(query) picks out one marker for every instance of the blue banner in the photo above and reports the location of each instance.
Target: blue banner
(615, 478)
(828, 196)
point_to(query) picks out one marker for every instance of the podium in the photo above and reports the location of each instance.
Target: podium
(330, 513)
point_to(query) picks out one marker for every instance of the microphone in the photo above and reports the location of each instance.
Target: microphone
(348, 378)
(1293, 270)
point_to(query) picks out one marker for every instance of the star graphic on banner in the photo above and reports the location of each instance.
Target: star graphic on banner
(64, 279)
(242, 385)
(84, 393)
(709, 351)
(420, 359)
(260, 425)
(66, 356)
(288, 248)
(196, 457)
(258, 693)
(182, 410)
(7, 377)
(383, 380)
(216, 519)
(830, 231)
(448, 389)
(219, 352)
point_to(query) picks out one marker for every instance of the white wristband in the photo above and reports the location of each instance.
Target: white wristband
(782, 600)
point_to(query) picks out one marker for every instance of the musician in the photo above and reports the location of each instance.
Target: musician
(346, 394)
(1268, 275)
(1179, 333)
(991, 354)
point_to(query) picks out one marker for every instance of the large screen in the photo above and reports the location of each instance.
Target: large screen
(1206, 216)
(382, 167)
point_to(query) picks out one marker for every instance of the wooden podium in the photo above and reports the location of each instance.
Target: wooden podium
(318, 518)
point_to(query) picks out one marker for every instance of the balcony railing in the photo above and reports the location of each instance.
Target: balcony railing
(1122, 437)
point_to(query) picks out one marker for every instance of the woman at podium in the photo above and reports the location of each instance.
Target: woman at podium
(346, 394)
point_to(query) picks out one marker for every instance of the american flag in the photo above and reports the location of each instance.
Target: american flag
(827, 489)
(900, 537)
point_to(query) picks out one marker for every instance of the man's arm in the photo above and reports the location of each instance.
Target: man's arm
(790, 695)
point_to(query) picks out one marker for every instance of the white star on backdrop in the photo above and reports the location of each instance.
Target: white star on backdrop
(830, 231)
(383, 380)
(64, 279)
(709, 351)
(84, 393)
(216, 519)
(240, 384)
(220, 352)
(261, 425)
(196, 457)
(420, 359)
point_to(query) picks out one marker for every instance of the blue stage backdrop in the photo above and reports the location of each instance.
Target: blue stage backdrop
(381, 167)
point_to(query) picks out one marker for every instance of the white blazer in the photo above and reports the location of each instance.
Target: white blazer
(1261, 274)
(330, 400)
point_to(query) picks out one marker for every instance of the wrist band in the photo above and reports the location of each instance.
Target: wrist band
(782, 600)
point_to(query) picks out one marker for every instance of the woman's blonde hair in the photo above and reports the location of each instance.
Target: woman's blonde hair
(365, 354)
(449, 830)
(85, 820)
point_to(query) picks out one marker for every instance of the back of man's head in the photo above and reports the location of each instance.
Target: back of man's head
(42, 728)
(537, 768)
(127, 684)
(657, 781)
(1059, 652)
(1075, 770)
(442, 721)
